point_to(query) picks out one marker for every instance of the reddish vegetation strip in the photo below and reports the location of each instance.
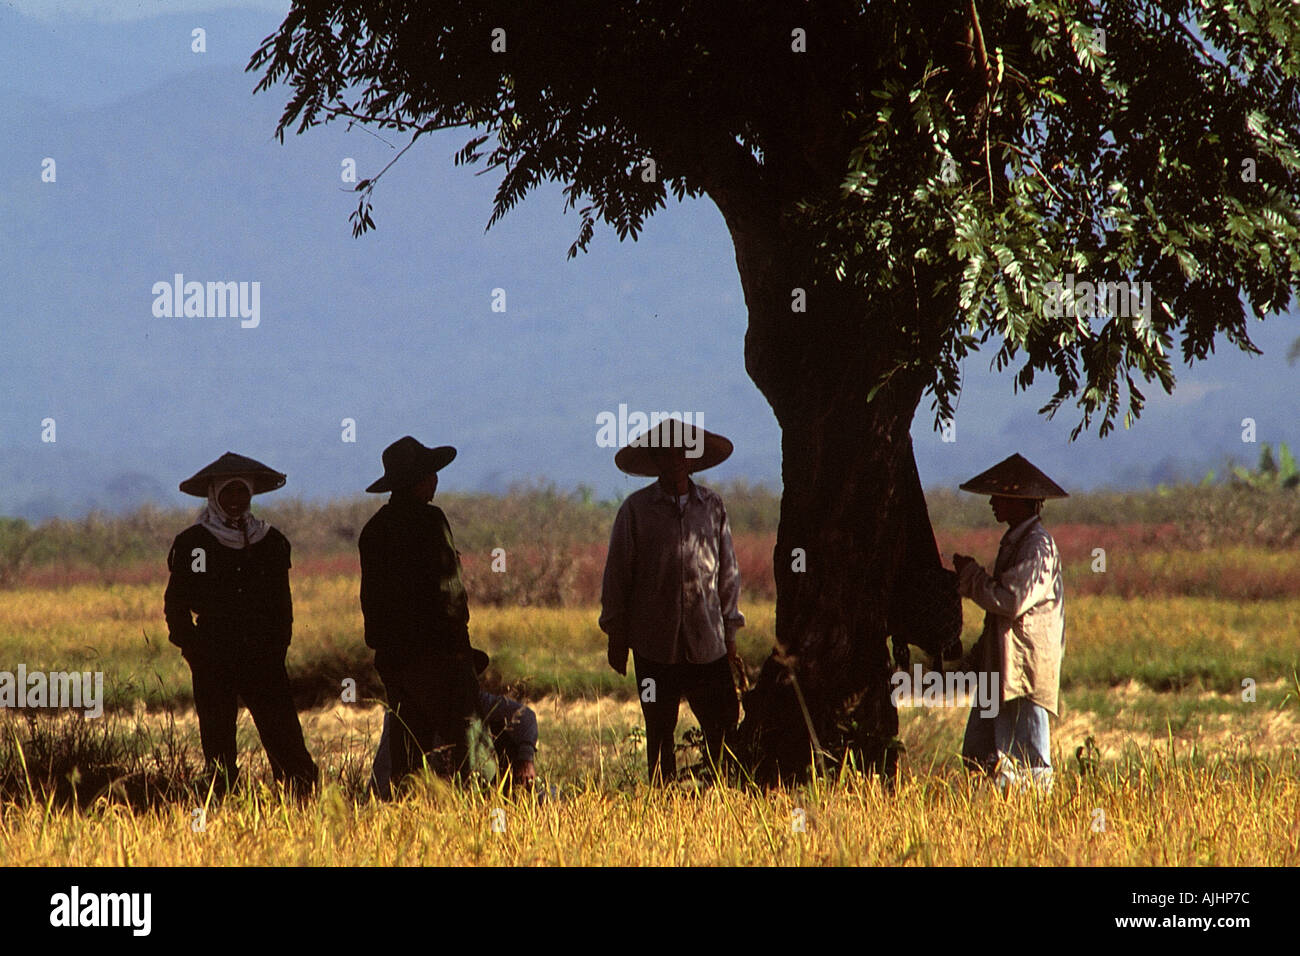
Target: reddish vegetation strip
(65, 576)
(1075, 541)
(542, 575)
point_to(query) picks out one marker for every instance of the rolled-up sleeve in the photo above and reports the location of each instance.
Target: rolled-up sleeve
(728, 581)
(1026, 583)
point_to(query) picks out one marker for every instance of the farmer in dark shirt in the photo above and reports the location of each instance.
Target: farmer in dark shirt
(231, 570)
(416, 612)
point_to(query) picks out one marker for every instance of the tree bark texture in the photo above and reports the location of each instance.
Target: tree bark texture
(854, 549)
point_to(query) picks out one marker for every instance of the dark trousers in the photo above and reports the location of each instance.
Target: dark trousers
(263, 685)
(710, 691)
(432, 699)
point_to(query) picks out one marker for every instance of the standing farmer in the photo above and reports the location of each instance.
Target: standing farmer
(1024, 626)
(231, 570)
(670, 591)
(417, 614)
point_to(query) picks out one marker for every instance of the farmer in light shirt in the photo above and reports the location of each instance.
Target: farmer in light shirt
(1024, 628)
(670, 591)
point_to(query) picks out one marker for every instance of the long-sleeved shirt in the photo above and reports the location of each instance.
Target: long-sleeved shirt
(513, 726)
(412, 596)
(239, 597)
(1024, 624)
(671, 582)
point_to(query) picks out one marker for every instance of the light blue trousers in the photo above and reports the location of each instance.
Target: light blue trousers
(1011, 745)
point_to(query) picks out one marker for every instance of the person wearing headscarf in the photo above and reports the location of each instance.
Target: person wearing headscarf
(1024, 628)
(671, 589)
(229, 610)
(417, 614)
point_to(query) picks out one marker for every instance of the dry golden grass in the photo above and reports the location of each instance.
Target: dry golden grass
(1188, 772)
(1171, 643)
(1161, 814)
(1232, 800)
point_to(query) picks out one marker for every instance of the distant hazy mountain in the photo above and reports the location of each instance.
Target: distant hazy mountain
(166, 165)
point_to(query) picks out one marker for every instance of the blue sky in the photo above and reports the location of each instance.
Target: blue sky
(166, 164)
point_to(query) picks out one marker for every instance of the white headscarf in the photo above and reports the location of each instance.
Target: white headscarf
(232, 532)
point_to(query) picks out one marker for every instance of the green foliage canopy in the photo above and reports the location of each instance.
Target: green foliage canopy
(981, 150)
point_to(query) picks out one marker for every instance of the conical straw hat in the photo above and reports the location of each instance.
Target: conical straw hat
(635, 457)
(261, 477)
(1014, 477)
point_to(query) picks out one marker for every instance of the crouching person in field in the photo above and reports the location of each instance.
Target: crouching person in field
(229, 610)
(1024, 629)
(670, 591)
(511, 724)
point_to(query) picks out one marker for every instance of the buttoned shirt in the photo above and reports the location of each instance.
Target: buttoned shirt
(1024, 623)
(671, 583)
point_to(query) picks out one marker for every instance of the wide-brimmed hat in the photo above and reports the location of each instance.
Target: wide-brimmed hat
(1014, 477)
(635, 457)
(407, 462)
(230, 465)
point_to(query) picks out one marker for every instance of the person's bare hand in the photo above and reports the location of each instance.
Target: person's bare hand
(737, 666)
(525, 775)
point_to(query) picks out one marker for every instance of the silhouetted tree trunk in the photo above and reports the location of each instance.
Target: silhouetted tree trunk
(853, 518)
